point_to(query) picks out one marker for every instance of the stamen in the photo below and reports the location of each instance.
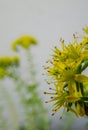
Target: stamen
(51, 97)
(60, 53)
(43, 74)
(52, 89)
(54, 109)
(45, 67)
(53, 114)
(55, 47)
(48, 82)
(44, 92)
(51, 62)
(49, 101)
(62, 114)
(81, 43)
(47, 61)
(76, 61)
(46, 101)
(74, 35)
(50, 93)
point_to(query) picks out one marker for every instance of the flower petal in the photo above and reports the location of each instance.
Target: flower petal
(81, 78)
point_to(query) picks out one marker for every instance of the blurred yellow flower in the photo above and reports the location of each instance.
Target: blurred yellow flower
(6, 61)
(24, 41)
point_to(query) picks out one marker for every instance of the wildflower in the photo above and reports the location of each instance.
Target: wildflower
(65, 72)
(24, 41)
(6, 62)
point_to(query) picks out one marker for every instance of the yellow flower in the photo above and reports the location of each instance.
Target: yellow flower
(73, 51)
(59, 98)
(24, 41)
(64, 78)
(65, 72)
(62, 99)
(6, 61)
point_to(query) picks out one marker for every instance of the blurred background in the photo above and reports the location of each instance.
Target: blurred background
(47, 21)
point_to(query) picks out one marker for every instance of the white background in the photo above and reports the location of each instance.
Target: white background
(47, 21)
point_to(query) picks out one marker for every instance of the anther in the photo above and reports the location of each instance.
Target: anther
(55, 47)
(60, 117)
(51, 97)
(45, 92)
(53, 114)
(81, 43)
(48, 82)
(52, 89)
(60, 53)
(46, 101)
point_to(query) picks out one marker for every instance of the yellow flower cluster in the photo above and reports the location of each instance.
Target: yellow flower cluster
(7, 61)
(65, 72)
(24, 41)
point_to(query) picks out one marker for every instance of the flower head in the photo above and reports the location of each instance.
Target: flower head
(6, 62)
(65, 72)
(24, 41)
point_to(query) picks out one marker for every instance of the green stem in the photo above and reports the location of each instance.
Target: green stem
(31, 66)
(11, 107)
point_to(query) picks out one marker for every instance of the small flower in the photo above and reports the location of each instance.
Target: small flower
(7, 61)
(24, 41)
